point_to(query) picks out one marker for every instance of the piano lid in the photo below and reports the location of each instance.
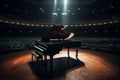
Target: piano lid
(57, 32)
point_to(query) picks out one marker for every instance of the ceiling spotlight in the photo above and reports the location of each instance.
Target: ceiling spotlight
(55, 1)
(64, 13)
(55, 14)
(65, 2)
(65, 6)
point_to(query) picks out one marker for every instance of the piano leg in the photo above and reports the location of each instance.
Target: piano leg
(76, 53)
(32, 57)
(51, 62)
(68, 52)
(45, 59)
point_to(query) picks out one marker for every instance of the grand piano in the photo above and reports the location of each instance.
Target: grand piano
(53, 42)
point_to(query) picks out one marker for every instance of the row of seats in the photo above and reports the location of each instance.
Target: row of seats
(104, 44)
(111, 45)
(7, 44)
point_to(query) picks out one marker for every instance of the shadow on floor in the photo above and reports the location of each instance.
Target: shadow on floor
(60, 66)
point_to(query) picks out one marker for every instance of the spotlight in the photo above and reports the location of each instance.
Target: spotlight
(65, 5)
(65, 2)
(55, 6)
(64, 13)
(55, 1)
(55, 14)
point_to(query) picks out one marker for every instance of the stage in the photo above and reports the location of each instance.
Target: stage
(90, 65)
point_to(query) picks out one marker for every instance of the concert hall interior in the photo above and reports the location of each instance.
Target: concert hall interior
(59, 40)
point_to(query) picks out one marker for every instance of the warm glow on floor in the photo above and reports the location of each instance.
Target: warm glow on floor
(97, 66)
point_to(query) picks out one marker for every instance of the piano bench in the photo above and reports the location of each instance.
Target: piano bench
(37, 55)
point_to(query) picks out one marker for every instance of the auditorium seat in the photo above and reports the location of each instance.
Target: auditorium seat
(102, 44)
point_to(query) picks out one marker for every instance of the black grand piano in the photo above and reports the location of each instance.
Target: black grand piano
(53, 42)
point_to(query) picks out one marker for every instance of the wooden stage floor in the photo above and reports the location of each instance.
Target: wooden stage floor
(93, 65)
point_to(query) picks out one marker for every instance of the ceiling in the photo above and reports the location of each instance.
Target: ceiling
(60, 1)
(77, 10)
